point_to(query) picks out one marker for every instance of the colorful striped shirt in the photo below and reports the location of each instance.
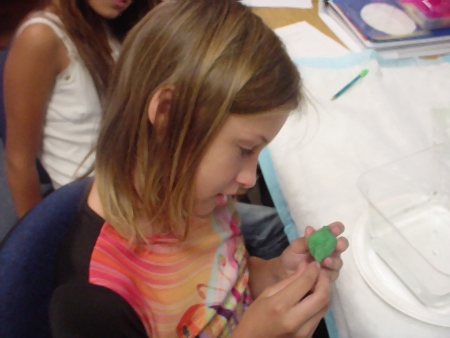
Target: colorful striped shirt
(192, 288)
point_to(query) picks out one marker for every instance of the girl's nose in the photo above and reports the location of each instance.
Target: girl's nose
(247, 176)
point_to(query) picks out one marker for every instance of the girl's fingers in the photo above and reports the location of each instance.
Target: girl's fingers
(337, 228)
(293, 293)
(313, 307)
(342, 244)
(299, 246)
(274, 289)
(309, 231)
(332, 266)
(332, 263)
(308, 329)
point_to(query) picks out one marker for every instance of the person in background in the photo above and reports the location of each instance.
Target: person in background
(11, 14)
(262, 228)
(55, 79)
(156, 250)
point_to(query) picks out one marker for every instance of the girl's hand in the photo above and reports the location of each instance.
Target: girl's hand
(290, 308)
(297, 253)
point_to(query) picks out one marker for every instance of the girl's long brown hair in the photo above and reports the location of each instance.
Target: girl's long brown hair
(220, 59)
(87, 31)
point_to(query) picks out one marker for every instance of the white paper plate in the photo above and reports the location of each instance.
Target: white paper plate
(386, 284)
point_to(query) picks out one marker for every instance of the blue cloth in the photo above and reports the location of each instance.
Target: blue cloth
(27, 259)
(7, 212)
(3, 53)
(290, 228)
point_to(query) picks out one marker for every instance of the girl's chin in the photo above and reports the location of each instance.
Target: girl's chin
(205, 209)
(201, 213)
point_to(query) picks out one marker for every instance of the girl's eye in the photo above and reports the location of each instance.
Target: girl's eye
(246, 152)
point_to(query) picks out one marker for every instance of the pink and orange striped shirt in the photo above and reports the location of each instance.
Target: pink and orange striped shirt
(195, 288)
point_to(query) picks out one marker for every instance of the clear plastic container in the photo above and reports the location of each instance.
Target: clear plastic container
(409, 225)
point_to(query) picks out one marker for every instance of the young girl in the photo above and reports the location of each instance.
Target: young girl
(200, 88)
(55, 79)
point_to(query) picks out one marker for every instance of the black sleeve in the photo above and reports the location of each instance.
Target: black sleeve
(75, 249)
(262, 230)
(83, 310)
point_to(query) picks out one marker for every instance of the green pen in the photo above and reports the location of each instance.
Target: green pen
(351, 83)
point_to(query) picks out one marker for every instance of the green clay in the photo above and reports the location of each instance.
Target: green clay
(321, 243)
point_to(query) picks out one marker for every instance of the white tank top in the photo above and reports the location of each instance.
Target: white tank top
(73, 112)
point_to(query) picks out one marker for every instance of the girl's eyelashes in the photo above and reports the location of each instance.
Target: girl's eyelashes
(245, 152)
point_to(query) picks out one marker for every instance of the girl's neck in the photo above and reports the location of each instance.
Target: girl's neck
(94, 203)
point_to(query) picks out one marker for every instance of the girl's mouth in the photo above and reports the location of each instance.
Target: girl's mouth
(221, 199)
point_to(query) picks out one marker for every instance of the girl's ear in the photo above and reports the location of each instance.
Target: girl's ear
(159, 107)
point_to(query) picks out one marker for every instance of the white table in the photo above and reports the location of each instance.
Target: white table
(317, 160)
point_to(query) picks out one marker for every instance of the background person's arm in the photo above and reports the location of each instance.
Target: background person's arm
(35, 59)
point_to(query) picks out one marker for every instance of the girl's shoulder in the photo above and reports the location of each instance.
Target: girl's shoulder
(42, 33)
(42, 18)
(40, 28)
(37, 40)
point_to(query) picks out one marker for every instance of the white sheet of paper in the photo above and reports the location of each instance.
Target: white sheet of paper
(319, 157)
(304, 40)
(279, 3)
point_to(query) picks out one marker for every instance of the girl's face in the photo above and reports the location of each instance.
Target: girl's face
(109, 9)
(230, 161)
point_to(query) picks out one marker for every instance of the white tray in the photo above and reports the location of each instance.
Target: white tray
(386, 284)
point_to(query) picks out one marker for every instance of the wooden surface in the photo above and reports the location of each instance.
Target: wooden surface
(279, 17)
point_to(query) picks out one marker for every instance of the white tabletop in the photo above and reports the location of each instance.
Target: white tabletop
(316, 159)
